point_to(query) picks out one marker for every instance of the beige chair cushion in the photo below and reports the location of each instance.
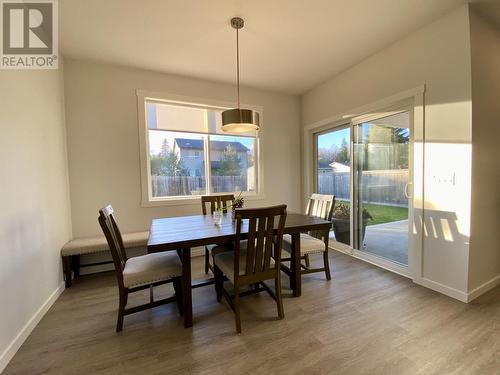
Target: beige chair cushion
(225, 262)
(308, 244)
(98, 244)
(217, 249)
(150, 268)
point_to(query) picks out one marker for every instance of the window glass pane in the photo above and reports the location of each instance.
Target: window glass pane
(175, 117)
(233, 167)
(334, 177)
(177, 162)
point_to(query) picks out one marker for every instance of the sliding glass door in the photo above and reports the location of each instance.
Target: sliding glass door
(367, 165)
(381, 184)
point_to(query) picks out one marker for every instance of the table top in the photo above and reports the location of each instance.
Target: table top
(183, 232)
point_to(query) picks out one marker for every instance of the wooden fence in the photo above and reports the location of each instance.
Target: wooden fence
(163, 186)
(379, 187)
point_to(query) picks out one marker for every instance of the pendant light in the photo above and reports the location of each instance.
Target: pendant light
(239, 120)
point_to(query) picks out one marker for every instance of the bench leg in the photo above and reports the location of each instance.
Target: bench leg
(66, 261)
(75, 265)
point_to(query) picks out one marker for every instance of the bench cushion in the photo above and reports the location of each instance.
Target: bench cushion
(90, 245)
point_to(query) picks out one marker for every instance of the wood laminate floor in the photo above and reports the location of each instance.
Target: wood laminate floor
(365, 321)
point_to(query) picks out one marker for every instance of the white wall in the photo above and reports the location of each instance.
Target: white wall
(485, 253)
(35, 214)
(103, 141)
(438, 56)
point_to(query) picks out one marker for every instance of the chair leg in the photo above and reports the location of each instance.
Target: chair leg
(178, 293)
(121, 310)
(279, 299)
(207, 260)
(327, 265)
(219, 282)
(308, 263)
(236, 303)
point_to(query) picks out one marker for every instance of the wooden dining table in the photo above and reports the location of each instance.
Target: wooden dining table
(183, 233)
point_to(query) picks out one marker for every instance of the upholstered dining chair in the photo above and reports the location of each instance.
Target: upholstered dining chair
(216, 202)
(315, 242)
(257, 262)
(141, 272)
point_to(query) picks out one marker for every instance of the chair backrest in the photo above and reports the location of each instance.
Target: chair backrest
(265, 240)
(114, 238)
(322, 206)
(217, 202)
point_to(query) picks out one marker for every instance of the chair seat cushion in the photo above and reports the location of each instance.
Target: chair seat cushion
(308, 244)
(217, 249)
(225, 262)
(98, 244)
(150, 268)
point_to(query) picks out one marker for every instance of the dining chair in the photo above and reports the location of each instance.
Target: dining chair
(257, 262)
(140, 272)
(216, 202)
(314, 242)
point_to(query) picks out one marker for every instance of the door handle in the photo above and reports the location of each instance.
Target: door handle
(407, 195)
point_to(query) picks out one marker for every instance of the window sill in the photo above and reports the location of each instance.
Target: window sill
(192, 200)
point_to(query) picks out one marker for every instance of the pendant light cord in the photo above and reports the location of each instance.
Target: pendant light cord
(238, 67)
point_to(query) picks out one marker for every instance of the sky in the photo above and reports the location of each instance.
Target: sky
(333, 138)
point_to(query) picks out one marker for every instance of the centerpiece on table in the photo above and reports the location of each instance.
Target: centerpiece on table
(341, 223)
(236, 203)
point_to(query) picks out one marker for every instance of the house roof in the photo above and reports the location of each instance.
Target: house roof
(323, 164)
(339, 167)
(197, 144)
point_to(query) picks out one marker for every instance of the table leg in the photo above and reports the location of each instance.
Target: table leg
(296, 281)
(187, 300)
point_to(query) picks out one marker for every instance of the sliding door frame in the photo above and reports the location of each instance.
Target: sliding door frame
(412, 100)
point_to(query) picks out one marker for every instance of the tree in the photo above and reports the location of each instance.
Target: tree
(165, 149)
(167, 163)
(342, 156)
(400, 135)
(229, 163)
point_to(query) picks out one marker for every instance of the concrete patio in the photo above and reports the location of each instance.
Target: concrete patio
(388, 240)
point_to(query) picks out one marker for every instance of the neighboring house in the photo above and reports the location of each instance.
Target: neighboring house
(191, 154)
(339, 167)
(323, 167)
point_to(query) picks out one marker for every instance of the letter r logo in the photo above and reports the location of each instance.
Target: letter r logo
(27, 28)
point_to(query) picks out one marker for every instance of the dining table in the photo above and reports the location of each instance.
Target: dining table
(183, 233)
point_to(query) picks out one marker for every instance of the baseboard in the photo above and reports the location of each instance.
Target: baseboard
(15, 344)
(443, 289)
(483, 288)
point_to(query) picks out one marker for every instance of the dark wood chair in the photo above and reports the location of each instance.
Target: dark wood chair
(314, 242)
(216, 202)
(257, 262)
(141, 272)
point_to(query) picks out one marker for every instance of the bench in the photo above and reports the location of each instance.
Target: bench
(72, 250)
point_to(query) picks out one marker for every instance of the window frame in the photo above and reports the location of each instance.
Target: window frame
(147, 200)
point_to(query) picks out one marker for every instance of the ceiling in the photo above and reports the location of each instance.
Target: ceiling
(286, 45)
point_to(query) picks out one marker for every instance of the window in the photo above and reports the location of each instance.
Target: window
(188, 155)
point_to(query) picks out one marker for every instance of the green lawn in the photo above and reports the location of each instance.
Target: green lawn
(384, 214)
